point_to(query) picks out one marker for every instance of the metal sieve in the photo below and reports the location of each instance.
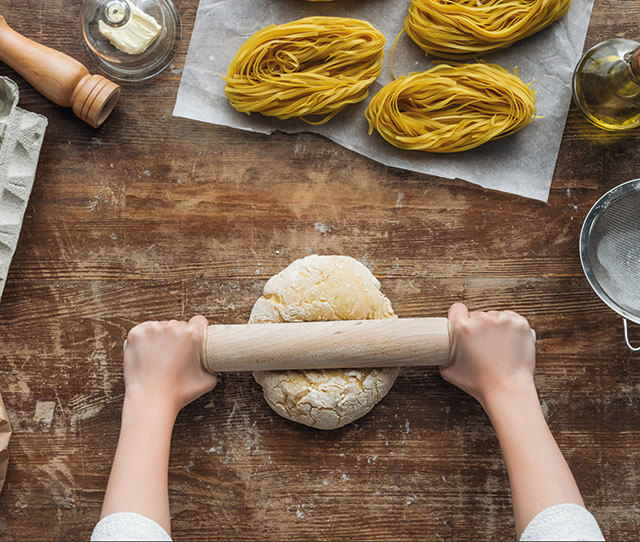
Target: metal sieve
(610, 251)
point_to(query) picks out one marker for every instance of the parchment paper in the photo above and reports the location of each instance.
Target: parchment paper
(5, 434)
(522, 164)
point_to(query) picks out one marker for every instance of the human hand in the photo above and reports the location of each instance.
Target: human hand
(164, 363)
(492, 353)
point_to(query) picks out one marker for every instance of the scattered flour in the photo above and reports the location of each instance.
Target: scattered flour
(321, 228)
(44, 413)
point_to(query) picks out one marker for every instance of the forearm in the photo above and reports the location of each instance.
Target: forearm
(139, 476)
(538, 472)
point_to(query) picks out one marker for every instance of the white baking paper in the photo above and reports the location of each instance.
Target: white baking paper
(521, 164)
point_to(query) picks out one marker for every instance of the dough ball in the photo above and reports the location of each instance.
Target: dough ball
(323, 288)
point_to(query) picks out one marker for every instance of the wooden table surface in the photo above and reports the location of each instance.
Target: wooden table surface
(158, 217)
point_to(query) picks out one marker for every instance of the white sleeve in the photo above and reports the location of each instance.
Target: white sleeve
(563, 522)
(128, 526)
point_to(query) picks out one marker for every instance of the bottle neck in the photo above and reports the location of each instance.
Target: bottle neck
(625, 75)
(634, 62)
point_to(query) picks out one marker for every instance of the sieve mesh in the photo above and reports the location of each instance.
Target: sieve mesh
(614, 252)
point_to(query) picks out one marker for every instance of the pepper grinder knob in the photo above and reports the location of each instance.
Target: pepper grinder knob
(58, 77)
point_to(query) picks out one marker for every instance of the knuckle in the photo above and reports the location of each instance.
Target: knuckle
(135, 332)
(462, 327)
(483, 318)
(156, 327)
(504, 318)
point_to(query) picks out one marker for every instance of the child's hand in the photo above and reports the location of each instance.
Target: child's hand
(164, 363)
(492, 353)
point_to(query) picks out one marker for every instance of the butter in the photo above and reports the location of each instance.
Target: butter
(136, 35)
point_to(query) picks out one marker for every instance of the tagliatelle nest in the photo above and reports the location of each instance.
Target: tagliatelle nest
(311, 68)
(451, 108)
(468, 28)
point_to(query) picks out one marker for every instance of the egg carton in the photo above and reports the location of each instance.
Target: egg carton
(21, 135)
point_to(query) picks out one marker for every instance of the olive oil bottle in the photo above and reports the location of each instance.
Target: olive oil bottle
(606, 84)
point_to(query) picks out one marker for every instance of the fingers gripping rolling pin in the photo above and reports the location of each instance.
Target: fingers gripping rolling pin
(353, 344)
(58, 77)
(403, 342)
(328, 345)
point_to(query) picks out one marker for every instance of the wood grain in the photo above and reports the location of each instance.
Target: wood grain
(159, 217)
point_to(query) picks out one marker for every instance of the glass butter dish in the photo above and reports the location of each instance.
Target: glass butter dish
(131, 40)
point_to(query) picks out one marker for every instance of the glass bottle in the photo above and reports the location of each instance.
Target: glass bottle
(606, 84)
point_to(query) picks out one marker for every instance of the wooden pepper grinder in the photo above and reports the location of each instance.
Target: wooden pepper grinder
(58, 77)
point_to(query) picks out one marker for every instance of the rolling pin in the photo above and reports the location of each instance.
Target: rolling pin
(402, 342)
(58, 77)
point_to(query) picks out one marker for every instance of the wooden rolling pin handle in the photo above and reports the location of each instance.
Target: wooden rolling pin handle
(327, 345)
(58, 77)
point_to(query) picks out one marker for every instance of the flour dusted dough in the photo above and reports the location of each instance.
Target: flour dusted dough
(323, 288)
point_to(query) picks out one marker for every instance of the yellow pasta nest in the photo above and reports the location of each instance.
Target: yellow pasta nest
(451, 108)
(311, 67)
(459, 29)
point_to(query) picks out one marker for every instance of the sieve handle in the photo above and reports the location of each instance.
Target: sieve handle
(626, 336)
